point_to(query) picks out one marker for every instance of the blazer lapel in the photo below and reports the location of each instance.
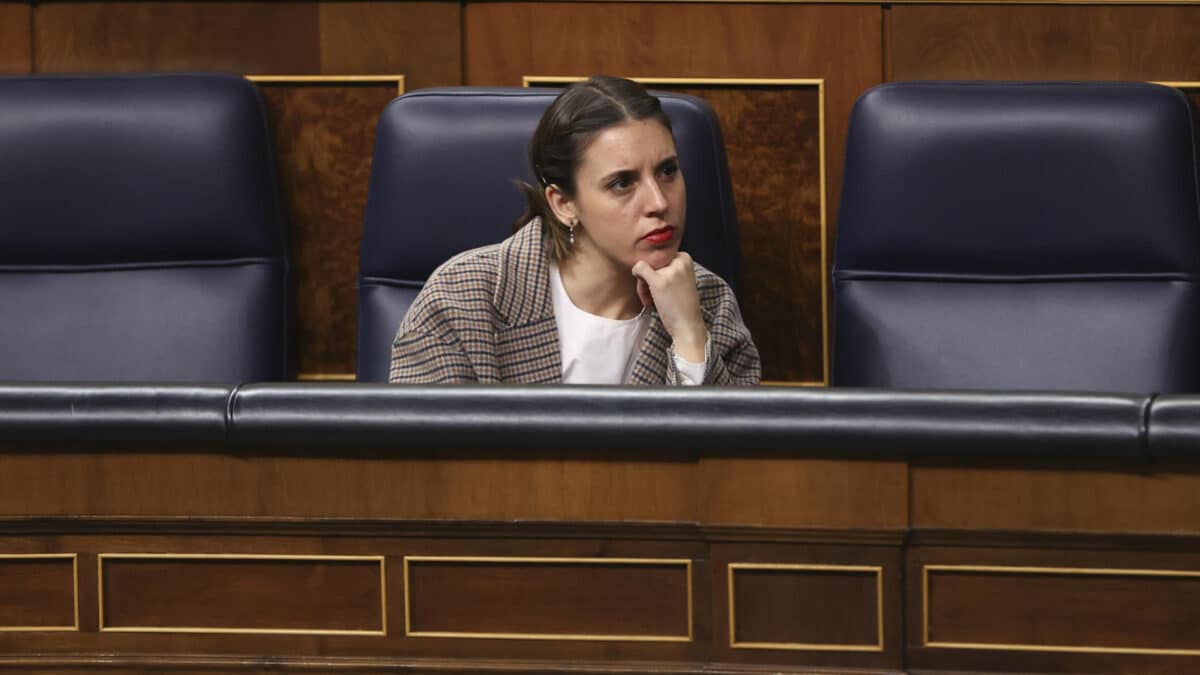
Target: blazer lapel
(527, 338)
(651, 365)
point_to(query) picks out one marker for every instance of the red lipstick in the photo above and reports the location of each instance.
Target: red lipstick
(660, 236)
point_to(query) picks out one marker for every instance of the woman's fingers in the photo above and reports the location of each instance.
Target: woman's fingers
(673, 293)
(644, 294)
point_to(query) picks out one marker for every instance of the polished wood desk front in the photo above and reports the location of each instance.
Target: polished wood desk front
(348, 559)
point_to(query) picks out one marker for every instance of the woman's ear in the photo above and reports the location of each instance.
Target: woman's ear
(562, 205)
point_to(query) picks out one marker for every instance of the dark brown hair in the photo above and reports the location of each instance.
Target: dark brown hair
(566, 129)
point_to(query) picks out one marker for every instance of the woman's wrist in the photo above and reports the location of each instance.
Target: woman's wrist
(690, 343)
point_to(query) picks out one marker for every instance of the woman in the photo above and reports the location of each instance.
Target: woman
(592, 288)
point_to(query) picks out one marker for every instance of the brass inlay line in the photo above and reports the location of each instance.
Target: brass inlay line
(1063, 571)
(74, 590)
(819, 83)
(682, 562)
(329, 79)
(807, 646)
(326, 377)
(240, 556)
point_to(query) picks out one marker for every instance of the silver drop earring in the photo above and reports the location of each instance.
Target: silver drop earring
(571, 234)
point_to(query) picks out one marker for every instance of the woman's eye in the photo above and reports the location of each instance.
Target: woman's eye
(670, 170)
(621, 183)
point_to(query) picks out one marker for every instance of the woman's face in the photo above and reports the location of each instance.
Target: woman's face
(630, 198)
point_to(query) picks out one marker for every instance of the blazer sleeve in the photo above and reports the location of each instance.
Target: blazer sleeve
(421, 358)
(733, 359)
(428, 348)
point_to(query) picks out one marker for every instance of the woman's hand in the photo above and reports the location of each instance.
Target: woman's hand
(672, 291)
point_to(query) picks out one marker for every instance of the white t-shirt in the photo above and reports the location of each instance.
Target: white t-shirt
(598, 350)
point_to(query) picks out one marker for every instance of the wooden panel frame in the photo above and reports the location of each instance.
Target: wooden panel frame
(100, 558)
(877, 570)
(74, 590)
(1061, 571)
(329, 79)
(686, 563)
(822, 159)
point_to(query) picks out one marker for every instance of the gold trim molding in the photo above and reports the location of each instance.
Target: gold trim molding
(329, 79)
(685, 563)
(327, 377)
(819, 83)
(74, 557)
(1060, 571)
(239, 556)
(877, 570)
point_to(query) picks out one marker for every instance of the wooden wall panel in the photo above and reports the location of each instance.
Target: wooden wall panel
(197, 593)
(37, 592)
(420, 40)
(823, 493)
(1005, 41)
(327, 653)
(840, 44)
(419, 487)
(787, 607)
(324, 137)
(623, 600)
(1111, 605)
(820, 607)
(1055, 497)
(1062, 607)
(16, 52)
(236, 37)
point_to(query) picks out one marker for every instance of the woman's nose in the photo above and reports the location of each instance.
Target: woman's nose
(656, 199)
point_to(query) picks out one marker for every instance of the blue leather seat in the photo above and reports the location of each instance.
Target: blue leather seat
(1019, 236)
(442, 182)
(140, 231)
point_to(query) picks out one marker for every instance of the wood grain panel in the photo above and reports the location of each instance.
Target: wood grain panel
(1056, 497)
(1007, 41)
(773, 142)
(393, 539)
(807, 493)
(809, 608)
(615, 488)
(1062, 609)
(802, 610)
(16, 52)
(324, 136)
(840, 44)
(236, 37)
(549, 598)
(218, 594)
(422, 40)
(37, 593)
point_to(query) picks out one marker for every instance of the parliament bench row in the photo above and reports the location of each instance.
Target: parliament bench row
(991, 235)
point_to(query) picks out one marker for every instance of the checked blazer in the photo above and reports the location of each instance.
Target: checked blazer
(486, 316)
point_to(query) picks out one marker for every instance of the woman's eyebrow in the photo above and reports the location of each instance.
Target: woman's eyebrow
(618, 173)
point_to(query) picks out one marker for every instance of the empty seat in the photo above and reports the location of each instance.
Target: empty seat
(140, 231)
(1019, 235)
